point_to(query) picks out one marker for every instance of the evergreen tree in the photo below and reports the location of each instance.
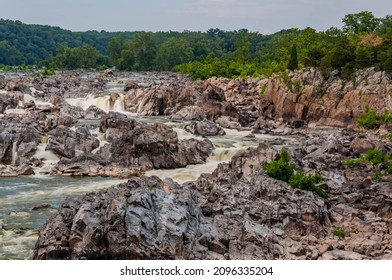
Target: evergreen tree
(293, 63)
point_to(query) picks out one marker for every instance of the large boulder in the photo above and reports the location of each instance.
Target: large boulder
(204, 128)
(67, 143)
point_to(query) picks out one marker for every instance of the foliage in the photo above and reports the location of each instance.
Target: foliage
(262, 90)
(339, 232)
(364, 41)
(371, 120)
(85, 56)
(389, 169)
(377, 176)
(302, 181)
(281, 169)
(293, 62)
(374, 156)
(46, 72)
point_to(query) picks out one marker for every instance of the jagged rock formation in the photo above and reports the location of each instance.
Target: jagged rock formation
(243, 215)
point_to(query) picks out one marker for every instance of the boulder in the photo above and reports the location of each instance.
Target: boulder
(94, 113)
(204, 128)
(67, 143)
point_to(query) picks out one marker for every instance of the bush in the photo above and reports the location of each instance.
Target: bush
(377, 176)
(308, 182)
(351, 162)
(389, 169)
(371, 120)
(280, 169)
(374, 156)
(339, 232)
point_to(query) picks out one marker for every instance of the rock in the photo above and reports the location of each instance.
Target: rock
(5, 148)
(68, 143)
(261, 219)
(130, 84)
(341, 255)
(41, 207)
(204, 128)
(189, 113)
(360, 145)
(94, 113)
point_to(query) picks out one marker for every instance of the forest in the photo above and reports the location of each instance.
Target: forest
(363, 41)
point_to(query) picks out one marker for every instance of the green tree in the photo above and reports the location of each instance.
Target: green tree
(144, 49)
(115, 47)
(173, 52)
(9, 55)
(363, 57)
(363, 22)
(293, 62)
(242, 46)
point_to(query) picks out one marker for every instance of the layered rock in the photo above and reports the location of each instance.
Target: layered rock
(147, 218)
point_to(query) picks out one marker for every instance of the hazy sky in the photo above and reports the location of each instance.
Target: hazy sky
(265, 16)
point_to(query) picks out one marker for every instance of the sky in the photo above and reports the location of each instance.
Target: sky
(264, 16)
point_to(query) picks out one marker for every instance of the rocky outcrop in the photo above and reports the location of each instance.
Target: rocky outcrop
(204, 128)
(132, 147)
(67, 143)
(213, 218)
(134, 143)
(237, 212)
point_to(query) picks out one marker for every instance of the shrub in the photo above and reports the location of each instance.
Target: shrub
(374, 156)
(377, 176)
(262, 90)
(389, 169)
(280, 169)
(339, 232)
(308, 182)
(351, 162)
(371, 120)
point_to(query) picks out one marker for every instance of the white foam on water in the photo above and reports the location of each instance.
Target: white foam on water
(102, 102)
(14, 152)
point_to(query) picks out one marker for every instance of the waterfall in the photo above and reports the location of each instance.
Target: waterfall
(102, 102)
(14, 152)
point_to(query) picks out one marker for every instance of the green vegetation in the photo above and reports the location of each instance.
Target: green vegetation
(364, 41)
(281, 169)
(377, 176)
(372, 157)
(371, 120)
(210, 188)
(339, 232)
(308, 182)
(262, 90)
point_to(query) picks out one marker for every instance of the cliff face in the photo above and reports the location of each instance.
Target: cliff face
(308, 96)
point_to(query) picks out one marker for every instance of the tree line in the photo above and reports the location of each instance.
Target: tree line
(363, 41)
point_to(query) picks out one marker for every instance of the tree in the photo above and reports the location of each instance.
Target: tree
(144, 48)
(363, 22)
(115, 47)
(363, 57)
(293, 62)
(242, 46)
(173, 52)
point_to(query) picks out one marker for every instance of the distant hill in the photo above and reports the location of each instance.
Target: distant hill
(30, 43)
